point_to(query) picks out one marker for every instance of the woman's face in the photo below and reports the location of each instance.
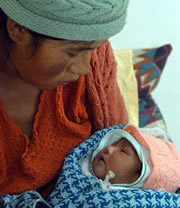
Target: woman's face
(122, 159)
(55, 63)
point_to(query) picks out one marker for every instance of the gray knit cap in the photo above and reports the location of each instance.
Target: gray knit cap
(69, 19)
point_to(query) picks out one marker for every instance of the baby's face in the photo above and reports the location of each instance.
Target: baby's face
(122, 159)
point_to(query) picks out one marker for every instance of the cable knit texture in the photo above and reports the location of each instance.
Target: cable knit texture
(61, 123)
(165, 170)
(69, 19)
(106, 103)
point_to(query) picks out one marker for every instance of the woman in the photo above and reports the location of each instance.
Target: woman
(57, 84)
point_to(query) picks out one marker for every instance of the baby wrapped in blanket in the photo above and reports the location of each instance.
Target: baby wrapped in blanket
(128, 158)
(157, 167)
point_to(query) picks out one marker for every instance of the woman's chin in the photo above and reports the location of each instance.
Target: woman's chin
(52, 86)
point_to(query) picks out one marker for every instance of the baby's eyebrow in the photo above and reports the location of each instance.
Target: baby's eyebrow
(118, 141)
(128, 145)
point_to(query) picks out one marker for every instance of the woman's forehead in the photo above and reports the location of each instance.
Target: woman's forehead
(75, 46)
(84, 44)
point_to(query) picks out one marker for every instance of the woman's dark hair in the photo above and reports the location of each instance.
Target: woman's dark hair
(37, 38)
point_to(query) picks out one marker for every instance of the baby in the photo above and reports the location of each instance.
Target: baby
(127, 158)
(122, 159)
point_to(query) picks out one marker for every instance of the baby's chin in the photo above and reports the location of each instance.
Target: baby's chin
(114, 181)
(98, 173)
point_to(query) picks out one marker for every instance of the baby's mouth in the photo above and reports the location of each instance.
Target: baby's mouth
(101, 158)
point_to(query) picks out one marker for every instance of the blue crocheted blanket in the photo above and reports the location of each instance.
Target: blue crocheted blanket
(76, 190)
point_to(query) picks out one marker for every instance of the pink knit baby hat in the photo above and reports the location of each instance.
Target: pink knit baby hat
(165, 160)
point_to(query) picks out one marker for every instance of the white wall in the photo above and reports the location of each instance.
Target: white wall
(149, 24)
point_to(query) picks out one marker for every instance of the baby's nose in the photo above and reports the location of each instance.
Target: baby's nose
(110, 149)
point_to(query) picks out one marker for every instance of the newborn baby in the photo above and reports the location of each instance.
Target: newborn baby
(122, 159)
(128, 158)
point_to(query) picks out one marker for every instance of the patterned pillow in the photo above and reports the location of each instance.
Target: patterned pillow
(148, 66)
(148, 111)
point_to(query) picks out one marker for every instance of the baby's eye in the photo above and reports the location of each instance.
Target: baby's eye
(124, 151)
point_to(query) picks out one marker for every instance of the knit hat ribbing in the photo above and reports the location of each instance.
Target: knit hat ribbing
(84, 20)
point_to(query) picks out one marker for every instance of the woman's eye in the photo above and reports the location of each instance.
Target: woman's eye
(71, 55)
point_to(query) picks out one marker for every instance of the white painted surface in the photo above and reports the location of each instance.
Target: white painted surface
(154, 23)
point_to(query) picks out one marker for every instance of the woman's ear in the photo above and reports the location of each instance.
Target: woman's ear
(16, 32)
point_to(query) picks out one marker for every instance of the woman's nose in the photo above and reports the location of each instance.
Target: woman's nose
(81, 64)
(80, 70)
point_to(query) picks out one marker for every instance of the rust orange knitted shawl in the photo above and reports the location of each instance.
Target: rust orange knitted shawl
(65, 117)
